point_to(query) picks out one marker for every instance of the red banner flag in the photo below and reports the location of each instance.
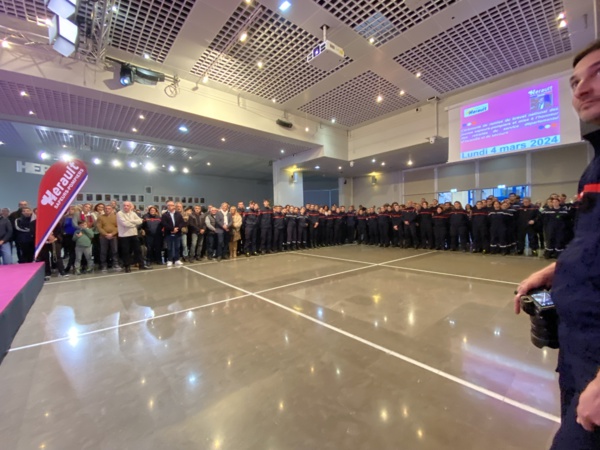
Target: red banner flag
(59, 186)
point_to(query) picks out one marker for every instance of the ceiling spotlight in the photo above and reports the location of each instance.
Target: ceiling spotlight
(260, 64)
(189, 157)
(31, 113)
(383, 163)
(114, 8)
(44, 156)
(562, 24)
(274, 100)
(62, 33)
(126, 75)
(172, 169)
(5, 44)
(372, 40)
(70, 136)
(282, 151)
(561, 16)
(373, 160)
(23, 94)
(208, 163)
(205, 79)
(333, 120)
(284, 6)
(402, 92)
(64, 146)
(97, 161)
(418, 75)
(340, 168)
(1, 143)
(223, 139)
(410, 163)
(116, 163)
(134, 129)
(307, 129)
(133, 164)
(185, 170)
(146, 56)
(66, 157)
(142, 117)
(317, 167)
(183, 129)
(153, 148)
(149, 166)
(243, 36)
(379, 98)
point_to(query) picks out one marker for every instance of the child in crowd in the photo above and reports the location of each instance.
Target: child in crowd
(83, 246)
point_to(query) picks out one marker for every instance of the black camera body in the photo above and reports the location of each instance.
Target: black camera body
(539, 306)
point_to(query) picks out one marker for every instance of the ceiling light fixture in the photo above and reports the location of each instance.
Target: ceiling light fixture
(189, 157)
(126, 75)
(333, 120)
(373, 160)
(44, 156)
(260, 64)
(223, 139)
(172, 169)
(205, 79)
(64, 146)
(418, 74)
(186, 170)
(149, 166)
(114, 8)
(23, 94)
(340, 168)
(307, 129)
(372, 40)
(383, 163)
(317, 167)
(146, 56)
(97, 161)
(142, 117)
(243, 36)
(1, 143)
(410, 163)
(562, 24)
(62, 33)
(561, 16)
(31, 113)
(116, 163)
(183, 129)
(134, 129)
(284, 6)
(274, 100)
(5, 44)
(133, 164)
(66, 157)
(402, 92)
(379, 98)
(208, 163)
(282, 151)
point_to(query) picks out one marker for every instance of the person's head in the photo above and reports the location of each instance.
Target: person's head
(114, 204)
(526, 201)
(152, 210)
(585, 84)
(170, 207)
(108, 210)
(197, 209)
(82, 224)
(127, 207)
(506, 204)
(489, 202)
(224, 207)
(99, 208)
(409, 204)
(424, 204)
(233, 210)
(397, 207)
(434, 202)
(497, 205)
(439, 210)
(26, 211)
(23, 204)
(563, 198)
(479, 204)
(266, 203)
(179, 207)
(213, 210)
(87, 207)
(556, 203)
(303, 210)
(241, 206)
(468, 207)
(5, 212)
(457, 205)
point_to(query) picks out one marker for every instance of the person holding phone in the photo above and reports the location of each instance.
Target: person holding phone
(575, 282)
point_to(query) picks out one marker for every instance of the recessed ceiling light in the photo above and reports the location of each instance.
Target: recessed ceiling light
(333, 120)
(114, 8)
(282, 150)
(205, 79)
(402, 92)
(134, 129)
(5, 44)
(317, 167)
(410, 163)
(64, 146)
(164, 166)
(260, 64)
(66, 157)
(208, 163)
(284, 6)
(243, 36)
(24, 94)
(307, 129)
(31, 113)
(116, 163)
(183, 129)
(153, 148)
(373, 160)
(70, 136)
(142, 117)
(379, 98)
(562, 24)
(44, 156)
(97, 161)
(133, 164)
(185, 170)
(561, 16)
(274, 100)
(189, 157)
(372, 40)
(223, 139)
(149, 166)
(1, 143)
(418, 75)
(340, 168)
(172, 169)
(146, 56)
(383, 163)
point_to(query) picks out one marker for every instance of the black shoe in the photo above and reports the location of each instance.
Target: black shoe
(127, 269)
(219, 259)
(146, 267)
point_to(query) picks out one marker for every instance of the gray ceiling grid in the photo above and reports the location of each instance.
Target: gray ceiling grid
(279, 44)
(504, 38)
(30, 10)
(355, 102)
(382, 20)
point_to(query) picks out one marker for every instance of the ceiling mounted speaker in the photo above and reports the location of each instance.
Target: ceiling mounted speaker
(284, 123)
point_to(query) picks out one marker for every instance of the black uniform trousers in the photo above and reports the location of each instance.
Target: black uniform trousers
(250, 234)
(128, 245)
(531, 235)
(410, 235)
(266, 237)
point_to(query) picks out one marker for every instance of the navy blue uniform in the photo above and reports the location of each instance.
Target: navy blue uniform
(266, 229)
(480, 227)
(292, 230)
(426, 227)
(351, 226)
(440, 230)
(383, 223)
(373, 229)
(576, 293)
(526, 214)
(278, 231)
(302, 229)
(459, 229)
(361, 228)
(409, 217)
(251, 219)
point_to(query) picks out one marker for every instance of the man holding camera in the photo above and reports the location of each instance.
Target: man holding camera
(575, 282)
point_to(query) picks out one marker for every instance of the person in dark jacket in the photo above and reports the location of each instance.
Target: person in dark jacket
(291, 224)
(556, 226)
(50, 252)
(397, 226)
(410, 219)
(351, 225)
(313, 224)
(383, 227)
(24, 238)
(172, 222)
(498, 229)
(361, 226)
(372, 226)
(459, 227)
(278, 229)
(426, 225)
(302, 228)
(154, 236)
(251, 218)
(266, 227)
(440, 229)
(6, 233)
(527, 217)
(480, 228)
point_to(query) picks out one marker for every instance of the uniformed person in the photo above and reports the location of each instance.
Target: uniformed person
(409, 219)
(480, 228)
(251, 219)
(440, 228)
(266, 227)
(459, 227)
(527, 217)
(426, 225)
(278, 229)
(361, 226)
(383, 227)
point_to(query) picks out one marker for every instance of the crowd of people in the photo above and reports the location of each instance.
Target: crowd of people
(112, 236)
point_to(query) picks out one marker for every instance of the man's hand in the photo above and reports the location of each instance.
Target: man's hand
(588, 409)
(396, 227)
(531, 222)
(175, 230)
(540, 279)
(108, 236)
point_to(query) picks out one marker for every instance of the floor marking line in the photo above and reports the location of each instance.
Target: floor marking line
(334, 258)
(135, 322)
(395, 354)
(452, 275)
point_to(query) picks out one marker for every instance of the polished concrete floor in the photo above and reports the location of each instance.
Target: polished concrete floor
(349, 347)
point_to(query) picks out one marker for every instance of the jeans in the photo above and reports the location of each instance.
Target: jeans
(105, 244)
(196, 245)
(79, 253)
(173, 242)
(6, 253)
(222, 237)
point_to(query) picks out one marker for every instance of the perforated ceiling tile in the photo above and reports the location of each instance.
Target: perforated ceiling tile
(514, 34)
(9, 136)
(355, 101)
(30, 10)
(384, 19)
(278, 44)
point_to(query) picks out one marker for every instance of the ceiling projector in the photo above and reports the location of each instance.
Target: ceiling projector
(326, 56)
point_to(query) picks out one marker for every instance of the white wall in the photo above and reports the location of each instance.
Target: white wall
(22, 186)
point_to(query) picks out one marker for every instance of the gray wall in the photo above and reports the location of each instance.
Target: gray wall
(22, 186)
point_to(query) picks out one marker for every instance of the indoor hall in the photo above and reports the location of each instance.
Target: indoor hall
(348, 347)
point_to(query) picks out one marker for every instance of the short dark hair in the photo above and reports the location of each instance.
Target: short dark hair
(586, 51)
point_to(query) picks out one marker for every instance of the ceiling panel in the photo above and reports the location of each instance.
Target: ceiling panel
(272, 40)
(355, 101)
(514, 34)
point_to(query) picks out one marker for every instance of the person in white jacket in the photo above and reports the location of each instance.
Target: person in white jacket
(127, 223)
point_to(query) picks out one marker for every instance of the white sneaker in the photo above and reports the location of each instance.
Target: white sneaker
(178, 263)
(169, 263)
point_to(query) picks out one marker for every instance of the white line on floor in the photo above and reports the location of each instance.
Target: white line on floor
(490, 280)
(304, 253)
(395, 354)
(135, 322)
